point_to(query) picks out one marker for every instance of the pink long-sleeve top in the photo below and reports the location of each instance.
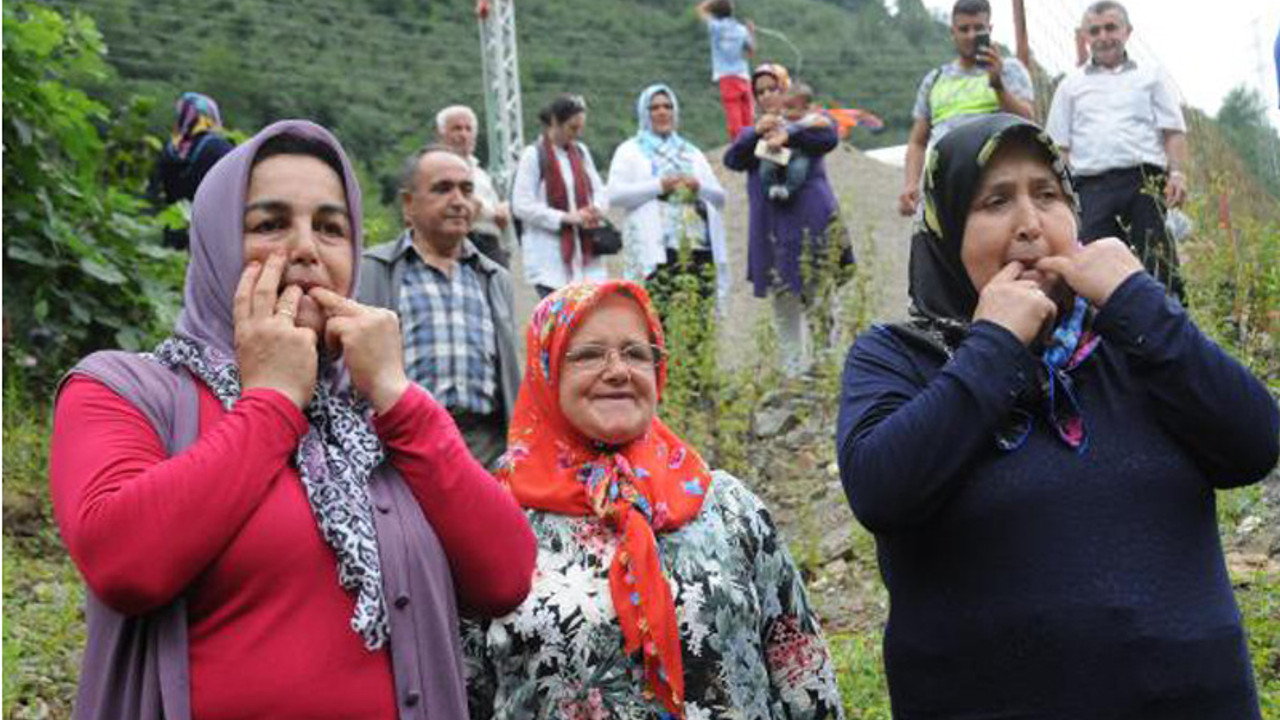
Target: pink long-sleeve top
(226, 523)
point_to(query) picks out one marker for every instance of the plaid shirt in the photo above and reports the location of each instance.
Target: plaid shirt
(449, 342)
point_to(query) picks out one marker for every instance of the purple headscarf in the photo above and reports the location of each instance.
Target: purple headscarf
(217, 235)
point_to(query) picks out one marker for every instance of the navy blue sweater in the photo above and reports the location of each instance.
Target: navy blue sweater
(1046, 582)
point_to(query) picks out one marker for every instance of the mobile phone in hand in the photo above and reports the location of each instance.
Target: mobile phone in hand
(981, 42)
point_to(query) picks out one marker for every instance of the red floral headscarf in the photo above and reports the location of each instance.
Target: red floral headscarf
(655, 483)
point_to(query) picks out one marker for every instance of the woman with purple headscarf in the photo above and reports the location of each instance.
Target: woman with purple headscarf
(271, 520)
(197, 142)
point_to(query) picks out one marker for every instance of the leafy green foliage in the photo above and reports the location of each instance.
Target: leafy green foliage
(83, 265)
(685, 297)
(1259, 599)
(1232, 258)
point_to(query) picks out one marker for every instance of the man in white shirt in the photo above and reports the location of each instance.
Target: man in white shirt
(456, 129)
(1120, 126)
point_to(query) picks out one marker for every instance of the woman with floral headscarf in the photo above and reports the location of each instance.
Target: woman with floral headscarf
(673, 202)
(782, 234)
(1037, 452)
(197, 142)
(662, 588)
(271, 520)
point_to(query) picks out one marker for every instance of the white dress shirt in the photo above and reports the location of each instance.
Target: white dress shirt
(485, 222)
(1114, 118)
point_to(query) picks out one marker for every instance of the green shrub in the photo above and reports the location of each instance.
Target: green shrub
(84, 267)
(1234, 288)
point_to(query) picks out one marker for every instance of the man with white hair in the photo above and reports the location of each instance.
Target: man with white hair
(1121, 127)
(456, 129)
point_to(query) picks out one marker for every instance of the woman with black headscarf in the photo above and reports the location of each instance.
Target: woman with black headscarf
(1037, 452)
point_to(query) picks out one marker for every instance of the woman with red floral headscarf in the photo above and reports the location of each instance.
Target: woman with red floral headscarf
(662, 588)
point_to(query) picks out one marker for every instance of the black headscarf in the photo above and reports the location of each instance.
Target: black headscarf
(942, 296)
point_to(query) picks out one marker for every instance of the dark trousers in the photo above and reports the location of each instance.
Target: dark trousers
(491, 247)
(1129, 204)
(485, 435)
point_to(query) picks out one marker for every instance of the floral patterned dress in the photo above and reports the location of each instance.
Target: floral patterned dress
(752, 647)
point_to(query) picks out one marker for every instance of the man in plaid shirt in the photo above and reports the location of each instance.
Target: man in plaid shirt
(455, 304)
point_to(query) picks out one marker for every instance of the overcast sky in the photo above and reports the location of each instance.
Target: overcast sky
(1208, 50)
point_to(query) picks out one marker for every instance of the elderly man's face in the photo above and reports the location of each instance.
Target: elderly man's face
(441, 206)
(460, 134)
(1107, 32)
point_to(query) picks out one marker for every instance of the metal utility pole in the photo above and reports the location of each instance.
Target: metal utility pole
(504, 122)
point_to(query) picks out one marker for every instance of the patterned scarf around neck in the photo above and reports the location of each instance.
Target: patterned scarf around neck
(1070, 346)
(654, 484)
(335, 459)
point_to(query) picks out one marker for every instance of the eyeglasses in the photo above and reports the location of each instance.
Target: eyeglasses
(593, 357)
(1096, 30)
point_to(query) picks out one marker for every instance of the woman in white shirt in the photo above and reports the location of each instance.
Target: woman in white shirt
(558, 193)
(673, 201)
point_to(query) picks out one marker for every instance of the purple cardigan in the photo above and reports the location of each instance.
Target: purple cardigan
(778, 229)
(136, 667)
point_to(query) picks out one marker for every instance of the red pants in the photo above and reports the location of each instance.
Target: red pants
(735, 96)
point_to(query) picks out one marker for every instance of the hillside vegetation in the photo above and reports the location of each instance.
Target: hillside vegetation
(377, 70)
